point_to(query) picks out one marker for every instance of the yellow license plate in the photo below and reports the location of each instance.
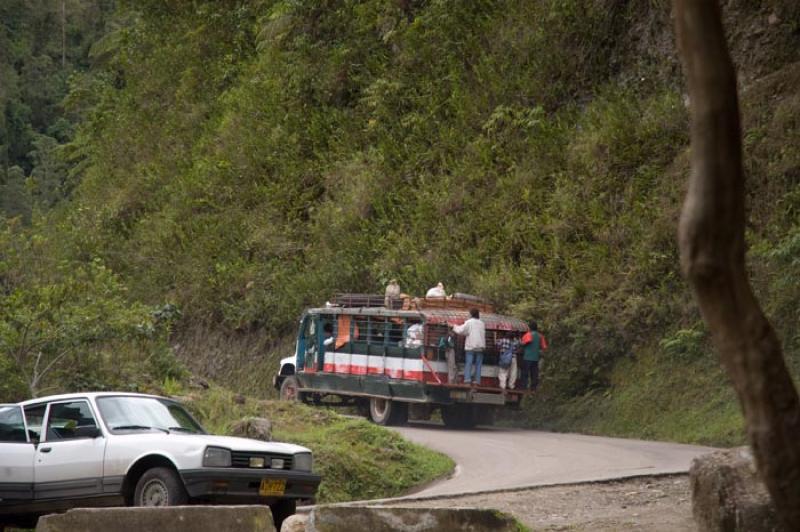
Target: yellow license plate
(272, 486)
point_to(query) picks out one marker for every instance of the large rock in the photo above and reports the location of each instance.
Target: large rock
(295, 523)
(376, 519)
(258, 428)
(728, 495)
(174, 519)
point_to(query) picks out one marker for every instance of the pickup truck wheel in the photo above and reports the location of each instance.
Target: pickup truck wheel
(160, 486)
(387, 412)
(281, 510)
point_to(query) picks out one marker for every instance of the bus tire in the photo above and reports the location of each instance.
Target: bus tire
(387, 412)
(458, 416)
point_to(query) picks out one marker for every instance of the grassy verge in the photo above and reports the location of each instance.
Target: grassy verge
(652, 397)
(357, 460)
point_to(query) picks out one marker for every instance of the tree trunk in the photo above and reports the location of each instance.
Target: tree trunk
(712, 250)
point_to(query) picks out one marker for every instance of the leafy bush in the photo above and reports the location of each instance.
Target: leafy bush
(685, 344)
(72, 333)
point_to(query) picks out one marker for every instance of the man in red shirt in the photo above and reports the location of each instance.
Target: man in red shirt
(533, 343)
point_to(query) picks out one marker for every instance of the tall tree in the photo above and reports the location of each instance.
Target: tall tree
(712, 245)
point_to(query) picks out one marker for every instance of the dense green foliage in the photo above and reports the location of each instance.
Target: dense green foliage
(245, 159)
(42, 43)
(70, 325)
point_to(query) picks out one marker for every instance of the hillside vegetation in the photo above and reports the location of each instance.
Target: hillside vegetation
(238, 161)
(42, 43)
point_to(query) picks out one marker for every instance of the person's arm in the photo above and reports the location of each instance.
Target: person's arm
(543, 342)
(461, 329)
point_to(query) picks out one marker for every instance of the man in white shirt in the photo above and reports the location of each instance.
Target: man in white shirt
(415, 336)
(474, 345)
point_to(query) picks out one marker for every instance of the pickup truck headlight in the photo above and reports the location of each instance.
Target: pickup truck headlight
(303, 462)
(216, 457)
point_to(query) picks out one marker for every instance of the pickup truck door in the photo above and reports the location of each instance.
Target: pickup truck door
(16, 457)
(69, 457)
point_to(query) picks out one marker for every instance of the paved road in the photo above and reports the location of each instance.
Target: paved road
(495, 458)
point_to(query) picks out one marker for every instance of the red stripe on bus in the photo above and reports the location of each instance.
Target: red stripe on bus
(357, 369)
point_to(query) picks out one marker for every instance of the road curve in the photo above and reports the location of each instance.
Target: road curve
(499, 458)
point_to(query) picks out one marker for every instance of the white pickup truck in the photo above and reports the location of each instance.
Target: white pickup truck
(110, 449)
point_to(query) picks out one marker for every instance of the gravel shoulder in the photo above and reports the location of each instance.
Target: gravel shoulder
(660, 503)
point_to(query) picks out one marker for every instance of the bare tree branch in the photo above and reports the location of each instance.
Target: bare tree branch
(52, 363)
(712, 249)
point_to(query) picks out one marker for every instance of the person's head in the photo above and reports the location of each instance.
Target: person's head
(533, 325)
(475, 313)
(328, 329)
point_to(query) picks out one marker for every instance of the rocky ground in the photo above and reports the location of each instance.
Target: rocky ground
(649, 503)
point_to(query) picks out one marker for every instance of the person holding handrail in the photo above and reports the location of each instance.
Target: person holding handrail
(533, 343)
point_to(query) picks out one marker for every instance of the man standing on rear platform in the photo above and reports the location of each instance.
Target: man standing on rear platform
(475, 344)
(507, 347)
(533, 343)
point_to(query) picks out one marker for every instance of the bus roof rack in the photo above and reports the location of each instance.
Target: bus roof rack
(360, 300)
(457, 301)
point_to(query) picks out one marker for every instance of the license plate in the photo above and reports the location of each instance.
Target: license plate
(272, 486)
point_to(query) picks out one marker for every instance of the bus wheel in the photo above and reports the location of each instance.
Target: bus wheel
(290, 389)
(387, 412)
(458, 416)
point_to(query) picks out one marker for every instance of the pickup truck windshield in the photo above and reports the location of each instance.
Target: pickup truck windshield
(123, 414)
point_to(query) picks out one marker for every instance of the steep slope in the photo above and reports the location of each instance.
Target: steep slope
(245, 159)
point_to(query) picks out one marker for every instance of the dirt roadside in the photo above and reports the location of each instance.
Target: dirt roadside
(660, 504)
